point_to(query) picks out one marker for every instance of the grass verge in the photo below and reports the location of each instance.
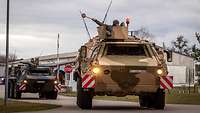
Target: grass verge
(183, 98)
(17, 106)
(172, 98)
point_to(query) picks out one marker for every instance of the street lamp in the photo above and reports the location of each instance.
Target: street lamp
(7, 53)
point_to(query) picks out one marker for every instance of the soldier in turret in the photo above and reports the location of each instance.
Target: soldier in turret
(115, 22)
(108, 27)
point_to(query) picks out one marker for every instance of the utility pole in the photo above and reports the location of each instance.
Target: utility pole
(7, 53)
(58, 60)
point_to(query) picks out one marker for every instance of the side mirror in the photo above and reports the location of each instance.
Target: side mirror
(83, 52)
(169, 55)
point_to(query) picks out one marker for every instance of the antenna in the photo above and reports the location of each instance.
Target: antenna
(41, 53)
(14, 56)
(164, 47)
(86, 28)
(107, 11)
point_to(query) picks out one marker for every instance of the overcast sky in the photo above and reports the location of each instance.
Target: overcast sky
(36, 23)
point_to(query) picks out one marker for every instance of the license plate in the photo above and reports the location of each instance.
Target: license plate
(40, 81)
(136, 71)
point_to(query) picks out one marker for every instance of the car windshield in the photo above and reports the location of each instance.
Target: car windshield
(127, 49)
(41, 72)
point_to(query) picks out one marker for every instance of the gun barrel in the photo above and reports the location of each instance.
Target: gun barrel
(97, 22)
(83, 15)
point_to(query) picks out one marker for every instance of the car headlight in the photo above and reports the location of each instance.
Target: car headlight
(159, 71)
(25, 81)
(55, 82)
(96, 70)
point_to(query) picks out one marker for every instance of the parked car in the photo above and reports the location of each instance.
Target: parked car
(2, 80)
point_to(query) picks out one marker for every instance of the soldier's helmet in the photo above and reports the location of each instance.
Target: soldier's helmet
(115, 22)
(32, 60)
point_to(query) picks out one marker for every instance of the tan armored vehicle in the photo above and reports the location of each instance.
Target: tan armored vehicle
(115, 64)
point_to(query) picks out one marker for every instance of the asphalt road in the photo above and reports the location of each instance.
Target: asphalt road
(100, 106)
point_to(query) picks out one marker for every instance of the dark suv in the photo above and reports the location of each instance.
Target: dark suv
(2, 80)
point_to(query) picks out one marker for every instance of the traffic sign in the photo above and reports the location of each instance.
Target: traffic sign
(68, 69)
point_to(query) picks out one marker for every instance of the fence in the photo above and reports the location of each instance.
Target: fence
(186, 89)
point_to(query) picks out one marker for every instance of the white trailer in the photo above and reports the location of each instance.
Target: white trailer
(2, 70)
(179, 74)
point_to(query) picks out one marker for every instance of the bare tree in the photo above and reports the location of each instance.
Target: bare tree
(12, 57)
(181, 45)
(2, 59)
(143, 33)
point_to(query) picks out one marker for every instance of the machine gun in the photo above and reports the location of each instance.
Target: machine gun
(114, 31)
(83, 15)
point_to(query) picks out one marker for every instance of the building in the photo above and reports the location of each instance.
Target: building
(182, 69)
(2, 69)
(197, 72)
(64, 58)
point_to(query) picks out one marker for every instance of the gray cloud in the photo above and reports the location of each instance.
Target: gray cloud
(35, 23)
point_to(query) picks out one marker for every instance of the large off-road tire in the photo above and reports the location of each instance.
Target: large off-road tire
(10, 89)
(84, 98)
(143, 100)
(153, 100)
(52, 95)
(17, 94)
(13, 89)
(159, 99)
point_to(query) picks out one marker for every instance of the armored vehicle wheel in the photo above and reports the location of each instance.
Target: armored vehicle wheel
(160, 99)
(84, 98)
(143, 100)
(17, 94)
(52, 95)
(10, 89)
(154, 100)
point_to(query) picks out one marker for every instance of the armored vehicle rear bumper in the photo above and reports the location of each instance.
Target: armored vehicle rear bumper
(35, 86)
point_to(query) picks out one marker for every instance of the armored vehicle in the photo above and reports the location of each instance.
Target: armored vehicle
(30, 77)
(116, 64)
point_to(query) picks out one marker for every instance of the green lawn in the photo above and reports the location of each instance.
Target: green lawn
(172, 98)
(176, 98)
(17, 106)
